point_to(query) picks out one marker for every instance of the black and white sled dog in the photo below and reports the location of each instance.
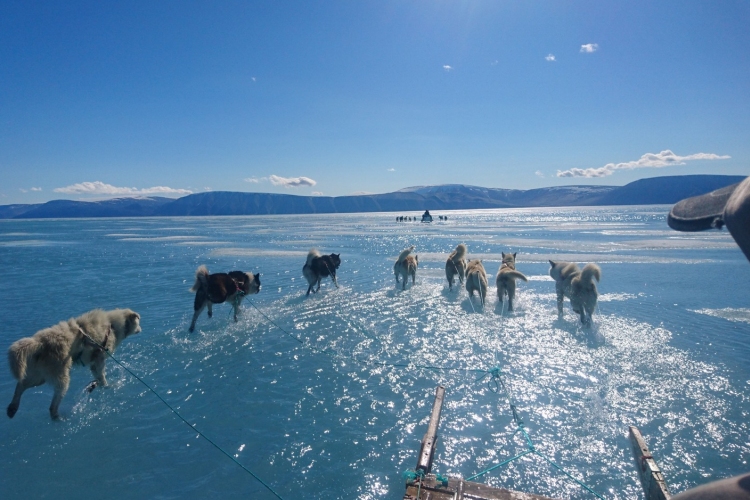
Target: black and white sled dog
(456, 265)
(48, 356)
(216, 288)
(506, 279)
(578, 285)
(476, 279)
(318, 267)
(405, 266)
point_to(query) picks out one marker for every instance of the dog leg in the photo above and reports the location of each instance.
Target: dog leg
(210, 309)
(97, 369)
(14, 404)
(200, 303)
(560, 298)
(333, 277)
(61, 387)
(198, 311)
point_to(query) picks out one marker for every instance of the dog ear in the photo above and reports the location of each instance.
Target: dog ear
(503, 254)
(551, 263)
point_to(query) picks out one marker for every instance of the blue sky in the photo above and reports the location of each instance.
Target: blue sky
(104, 99)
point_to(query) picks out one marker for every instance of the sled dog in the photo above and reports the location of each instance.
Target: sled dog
(578, 285)
(456, 265)
(405, 266)
(476, 279)
(216, 288)
(318, 267)
(50, 353)
(506, 279)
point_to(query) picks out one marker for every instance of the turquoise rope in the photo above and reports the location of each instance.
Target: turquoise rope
(495, 374)
(192, 426)
(495, 377)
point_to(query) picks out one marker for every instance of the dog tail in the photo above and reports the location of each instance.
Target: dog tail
(404, 254)
(201, 278)
(459, 253)
(18, 354)
(311, 255)
(513, 275)
(589, 272)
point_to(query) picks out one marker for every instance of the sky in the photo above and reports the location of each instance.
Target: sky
(168, 98)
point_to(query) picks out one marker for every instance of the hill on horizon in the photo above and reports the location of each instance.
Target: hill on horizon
(650, 191)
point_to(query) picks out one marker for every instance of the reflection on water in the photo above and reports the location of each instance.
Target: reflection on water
(330, 394)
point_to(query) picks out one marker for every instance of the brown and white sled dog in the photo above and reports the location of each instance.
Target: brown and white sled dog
(50, 353)
(456, 265)
(318, 267)
(506, 279)
(405, 266)
(578, 285)
(476, 279)
(216, 288)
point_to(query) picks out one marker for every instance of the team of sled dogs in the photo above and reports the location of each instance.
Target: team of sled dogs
(48, 356)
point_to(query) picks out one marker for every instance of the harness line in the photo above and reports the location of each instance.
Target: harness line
(192, 426)
(495, 377)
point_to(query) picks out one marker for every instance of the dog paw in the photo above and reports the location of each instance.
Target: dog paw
(12, 411)
(91, 386)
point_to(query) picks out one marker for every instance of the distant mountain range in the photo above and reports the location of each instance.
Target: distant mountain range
(652, 191)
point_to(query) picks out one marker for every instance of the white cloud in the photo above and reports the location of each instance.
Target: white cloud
(391, 169)
(256, 180)
(494, 63)
(99, 188)
(539, 173)
(550, 58)
(36, 189)
(291, 182)
(317, 193)
(650, 160)
(589, 48)
(23, 190)
(447, 68)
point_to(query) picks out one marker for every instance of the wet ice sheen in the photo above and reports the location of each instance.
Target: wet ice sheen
(336, 404)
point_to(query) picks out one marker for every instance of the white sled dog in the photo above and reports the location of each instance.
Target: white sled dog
(405, 266)
(506, 279)
(476, 279)
(50, 353)
(578, 285)
(456, 265)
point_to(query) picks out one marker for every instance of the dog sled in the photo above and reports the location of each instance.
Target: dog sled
(426, 217)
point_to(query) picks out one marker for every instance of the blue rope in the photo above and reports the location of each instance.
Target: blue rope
(495, 384)
(495, 376)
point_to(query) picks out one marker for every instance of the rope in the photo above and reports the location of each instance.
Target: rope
(496, 378)
(192, 426)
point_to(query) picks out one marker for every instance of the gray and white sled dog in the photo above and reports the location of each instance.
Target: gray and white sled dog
(50, 353)
(405, 266)
(476, 279)
(506, 279)
(578, 285)
(456, 265)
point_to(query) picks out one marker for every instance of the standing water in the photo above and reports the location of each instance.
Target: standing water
(328, 395)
